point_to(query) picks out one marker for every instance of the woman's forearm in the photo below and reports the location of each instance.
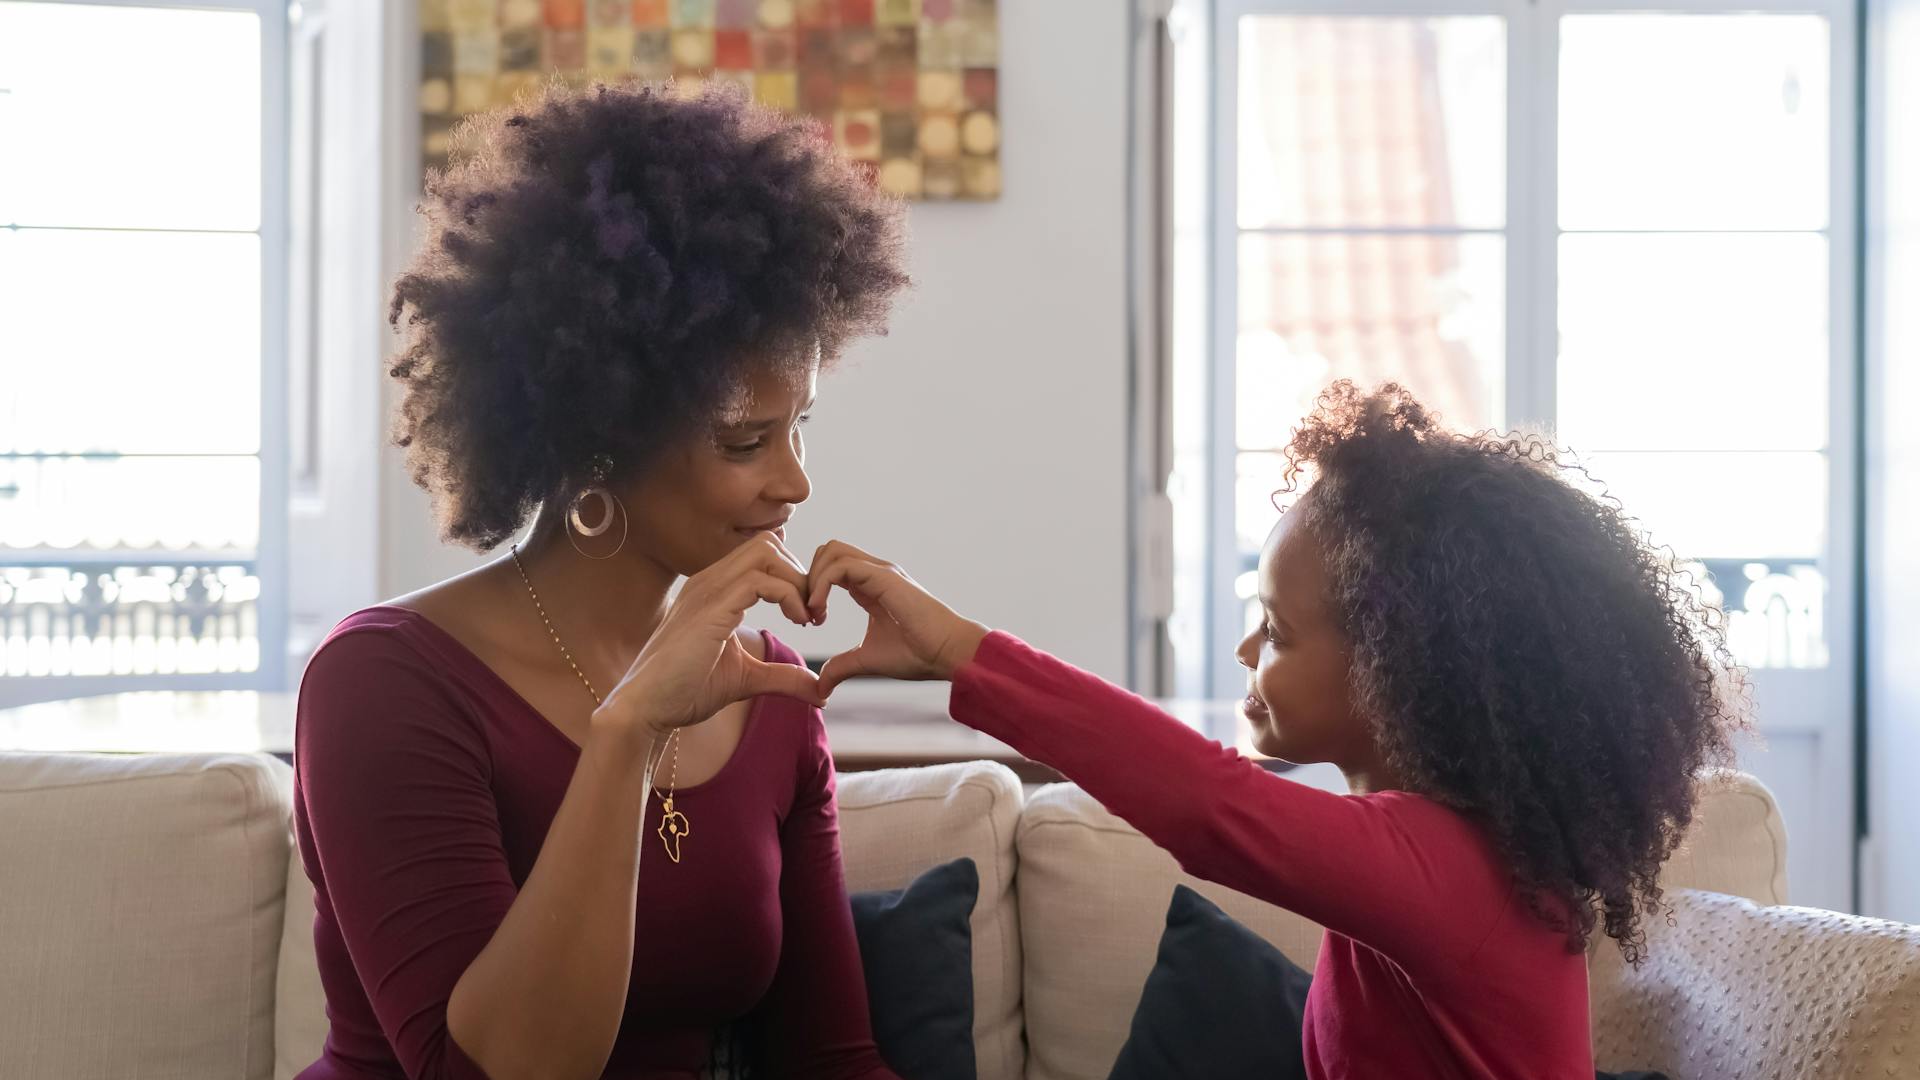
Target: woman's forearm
(544, 998)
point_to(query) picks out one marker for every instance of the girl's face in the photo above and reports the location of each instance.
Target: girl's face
(1299, 698)
(708, 496)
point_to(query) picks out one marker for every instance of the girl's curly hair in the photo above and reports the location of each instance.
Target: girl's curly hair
(1523, 654)
(603, 269)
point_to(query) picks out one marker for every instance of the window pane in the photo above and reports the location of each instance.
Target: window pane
(139, 117)
(1425, 311)
(1693, 121)
(174, 364)
(131, 504)
(1693, 342)
(1257, 479)
(1776, 610)
(1723, 504)
(1372, 121)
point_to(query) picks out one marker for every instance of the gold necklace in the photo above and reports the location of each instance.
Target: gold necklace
(674, 827)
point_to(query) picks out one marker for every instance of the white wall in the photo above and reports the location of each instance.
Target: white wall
(982, 444)
(1891, 867)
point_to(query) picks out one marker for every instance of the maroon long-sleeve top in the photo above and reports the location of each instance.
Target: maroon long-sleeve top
(1432, 966)
(424, 787)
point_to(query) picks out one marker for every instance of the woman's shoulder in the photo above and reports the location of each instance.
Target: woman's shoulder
(385, 632)
(765, 646)
(381, 672)
(794, 726)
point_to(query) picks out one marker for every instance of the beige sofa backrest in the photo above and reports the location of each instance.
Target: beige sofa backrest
(897, 823)
(142, 929)
(140, 915)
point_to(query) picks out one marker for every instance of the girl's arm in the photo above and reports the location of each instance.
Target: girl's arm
(1394, 871)
(1384, 869)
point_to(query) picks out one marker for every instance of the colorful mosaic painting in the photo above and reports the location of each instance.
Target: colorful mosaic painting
(909, 88)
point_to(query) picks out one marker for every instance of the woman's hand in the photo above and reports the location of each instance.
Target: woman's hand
(910, 634)
(694, 665)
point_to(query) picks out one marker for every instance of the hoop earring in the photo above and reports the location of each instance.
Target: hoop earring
(608, 503)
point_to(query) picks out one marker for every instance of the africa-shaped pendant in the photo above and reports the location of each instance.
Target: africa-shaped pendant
(673, 828)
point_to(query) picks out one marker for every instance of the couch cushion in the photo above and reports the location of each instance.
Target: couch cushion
(1729, 988)
(1738, 842)
(141, 914)
(1094, 894)
(1093, 903)
(916, 947)
(1220, 1001)
(897, 823)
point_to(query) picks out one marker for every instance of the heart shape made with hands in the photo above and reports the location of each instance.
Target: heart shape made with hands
(910, 634)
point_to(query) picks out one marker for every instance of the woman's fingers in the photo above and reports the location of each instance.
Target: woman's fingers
(764, 553)
(743, 578)
(785, 554)
(758, 585)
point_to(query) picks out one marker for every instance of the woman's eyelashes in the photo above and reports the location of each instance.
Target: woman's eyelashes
(748, 449)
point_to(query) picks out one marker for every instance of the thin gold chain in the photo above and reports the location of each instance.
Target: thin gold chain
(673, 775)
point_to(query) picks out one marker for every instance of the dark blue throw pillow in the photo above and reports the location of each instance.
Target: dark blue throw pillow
(916, 945)
(1219, 1004)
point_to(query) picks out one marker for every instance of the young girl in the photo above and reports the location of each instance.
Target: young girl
(1519, 690)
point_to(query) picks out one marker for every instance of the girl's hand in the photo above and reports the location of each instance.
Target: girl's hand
(694, 665)
(910, 634)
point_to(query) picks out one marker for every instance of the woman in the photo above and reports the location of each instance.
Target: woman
(1519, 690)
(526, 862)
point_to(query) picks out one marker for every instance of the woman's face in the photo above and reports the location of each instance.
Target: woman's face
(1299, 698)
(704, 498)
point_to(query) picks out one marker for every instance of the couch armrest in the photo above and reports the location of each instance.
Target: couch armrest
(1732, 989)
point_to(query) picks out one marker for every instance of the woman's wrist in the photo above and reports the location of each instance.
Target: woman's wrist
(623, 730)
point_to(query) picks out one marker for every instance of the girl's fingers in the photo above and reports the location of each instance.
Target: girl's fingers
(790, 680)
(825, 556)
(841, 667)
(833, 547)
(865, 579)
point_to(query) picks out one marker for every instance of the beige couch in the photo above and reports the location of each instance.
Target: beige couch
(152, 925)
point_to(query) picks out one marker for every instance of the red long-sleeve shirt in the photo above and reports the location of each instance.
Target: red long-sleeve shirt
(424, 788)
(1432, 965)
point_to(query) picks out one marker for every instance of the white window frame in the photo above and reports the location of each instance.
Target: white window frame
(1816, 706)
(269, 558)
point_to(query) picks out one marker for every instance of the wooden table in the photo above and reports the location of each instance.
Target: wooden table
(866, 732)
